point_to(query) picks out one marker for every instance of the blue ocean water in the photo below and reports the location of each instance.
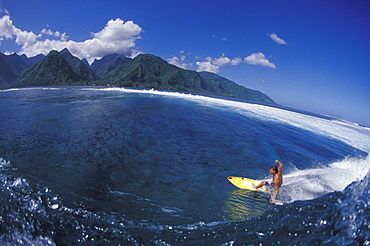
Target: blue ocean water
(109, 166)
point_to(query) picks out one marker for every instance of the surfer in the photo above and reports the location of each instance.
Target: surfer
(277, 179)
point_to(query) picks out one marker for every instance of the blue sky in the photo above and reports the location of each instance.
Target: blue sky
(310, 55)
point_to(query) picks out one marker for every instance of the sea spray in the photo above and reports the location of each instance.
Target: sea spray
(81, 158)
(311, 183)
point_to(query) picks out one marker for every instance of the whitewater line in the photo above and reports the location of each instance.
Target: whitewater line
(350, 133)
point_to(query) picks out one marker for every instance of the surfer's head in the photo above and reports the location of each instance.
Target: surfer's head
(274, 169)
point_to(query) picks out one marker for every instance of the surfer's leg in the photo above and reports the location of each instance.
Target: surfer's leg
(260, 185)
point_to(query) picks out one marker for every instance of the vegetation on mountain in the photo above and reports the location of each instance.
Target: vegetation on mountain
(227, 87)
(12, 66)
(144, 71)
(51, 70)
(149, 71)
(78, 65)
(7, 74)
(110, 65)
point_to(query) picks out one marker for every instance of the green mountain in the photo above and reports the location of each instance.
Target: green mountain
(17, 63)
(80, 66)
(12, 66)
(7, 74)
(144, 71)
(32, 60)
(109, 65)
(105, 59)
(53, 69)
(149, 71)
(227, 87)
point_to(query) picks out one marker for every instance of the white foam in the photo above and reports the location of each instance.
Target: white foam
(312, 183)
(354, 135)
(4, 163)
(34, 88)
(299, 184)
(350, 133)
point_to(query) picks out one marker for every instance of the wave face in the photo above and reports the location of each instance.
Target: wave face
(111, 166)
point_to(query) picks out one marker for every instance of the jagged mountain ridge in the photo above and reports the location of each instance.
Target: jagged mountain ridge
(79, 65)
(144, 71)
(149, 71)
(229, 88)
(50, 71)
(104, 66)
(12, 66)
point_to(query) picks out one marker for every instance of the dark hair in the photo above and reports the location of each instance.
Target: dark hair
(275, 168)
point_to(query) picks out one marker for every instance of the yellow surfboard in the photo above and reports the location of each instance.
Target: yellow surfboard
(245, 183)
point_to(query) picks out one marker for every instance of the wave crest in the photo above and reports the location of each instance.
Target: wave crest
(312, 183)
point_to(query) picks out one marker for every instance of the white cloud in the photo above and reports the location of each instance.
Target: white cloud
(278, 40)
(236, 61)
(179, 61)
(117, 31)
(221, 61)
(7, 30)
(4, 10)
(117, 36)
(207, 66)
(214, 65)
(259, 59)
(47, 32)
(24, 38)
(61, 36)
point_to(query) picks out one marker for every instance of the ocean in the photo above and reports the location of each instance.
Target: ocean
(115, 166)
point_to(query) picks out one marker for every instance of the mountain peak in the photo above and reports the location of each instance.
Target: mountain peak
(53, 69)
(108, 63)
(79, 65)
(65, 51)
(150, 58)
(144, 71)
(108, 58)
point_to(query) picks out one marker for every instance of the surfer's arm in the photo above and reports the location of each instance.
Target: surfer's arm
(280, 164)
